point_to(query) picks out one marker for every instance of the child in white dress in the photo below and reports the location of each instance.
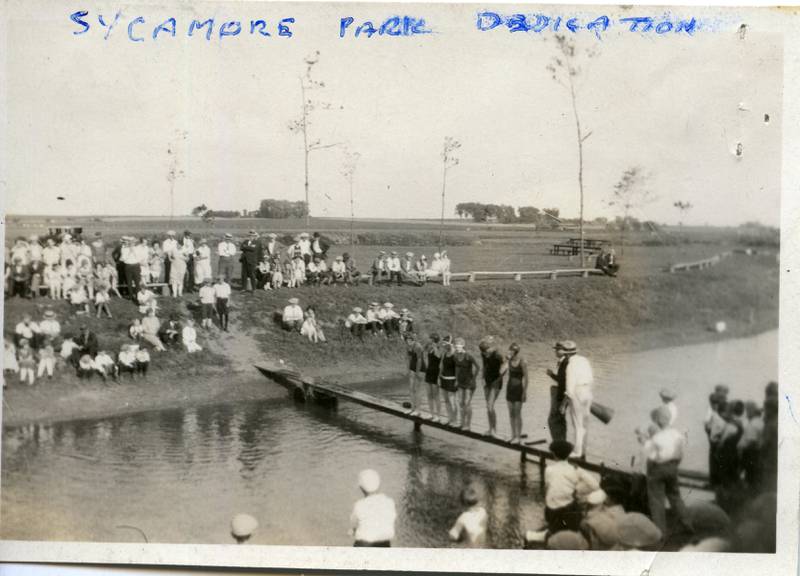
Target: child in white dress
(189, 336)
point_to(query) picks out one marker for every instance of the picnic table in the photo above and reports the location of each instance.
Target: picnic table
(572, 247)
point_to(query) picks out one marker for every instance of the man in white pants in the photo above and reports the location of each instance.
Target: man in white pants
(578, 395)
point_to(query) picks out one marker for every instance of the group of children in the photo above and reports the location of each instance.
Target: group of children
(379, 319)
(274, 272)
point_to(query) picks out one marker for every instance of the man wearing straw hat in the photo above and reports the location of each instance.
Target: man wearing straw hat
(578, 390)
(250, 257)
(226, 250)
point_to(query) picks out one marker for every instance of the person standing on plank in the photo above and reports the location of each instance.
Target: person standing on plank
(466, 371)
(494, 368)
(579, 382)
(433, 355)
(447, 379)
(416, 368)
(556, 420)
(516, 390)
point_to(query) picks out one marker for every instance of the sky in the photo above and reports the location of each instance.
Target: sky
(92, 119)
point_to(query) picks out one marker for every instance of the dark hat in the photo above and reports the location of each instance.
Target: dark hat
(561, 449)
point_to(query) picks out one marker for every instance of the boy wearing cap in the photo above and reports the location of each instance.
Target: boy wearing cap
(494, 368)
(378, 268)
(226, 250)
(394, 268)
(356, 322)
(373, 517)
(564, 484)
(389, 318)
(664, 452)
(222, 295)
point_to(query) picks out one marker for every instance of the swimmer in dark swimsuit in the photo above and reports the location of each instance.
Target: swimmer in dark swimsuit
(447, 380)
(433, 355)
(516, 391)
(466, 371)
(494, 368)
(416, 368)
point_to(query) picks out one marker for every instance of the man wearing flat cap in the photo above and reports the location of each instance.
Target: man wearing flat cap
(251, 255)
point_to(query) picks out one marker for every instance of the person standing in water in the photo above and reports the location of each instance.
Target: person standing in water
(447, 380)
(416, 368)
(466, 371)
(516, 391)
(433, 356)
(494, 368)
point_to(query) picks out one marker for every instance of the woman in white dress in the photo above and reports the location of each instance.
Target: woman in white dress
(177, 270)
(202, 263)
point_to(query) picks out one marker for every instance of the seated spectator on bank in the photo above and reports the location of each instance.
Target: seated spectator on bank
(79, 299)
(405, 322)
(323, 271)
(374, 323)
(135, 330)
(298, 272)
(189, 337)
(356, 322)
(292, 317)
(10, 358)
(339, 271)
(319, 247)
(351, 274)
(69, 351)
(105, 366)
(312, 272)
(142, 361)
(36, 269)
(27, 329)
(394, 268)
(378, 271)
(87, 341)
(470, 527)
(607, 261)
(435, 268)
(101, 300)
(421, 268)
(565, 484)
(126, 360)
(151, 327)
(49, 327)
(85, 367)
(69, 278)
(20, 279)
(47, 359)
(52, 279)
(27, 362)
(146, 299)
(277, 273)
(263, 273)
(389, 318)
(408, 269)
(170, 332)
(311, 328)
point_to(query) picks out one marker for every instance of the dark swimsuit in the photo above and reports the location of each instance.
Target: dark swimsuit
(491, 370)
(448, 373)
(464, 374)
(432, 372)
(515, 389)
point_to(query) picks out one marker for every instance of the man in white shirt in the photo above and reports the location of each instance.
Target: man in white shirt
(20, 251)
(565, 484)
(51, 254)
(226, 250)
(49, 327)
(34, 249)
(208, 297)
(133, 270)
(373, 517)
(69, 250)
(305, 247)
(579, 381)
(292, 317)
(28, 330)
(271, 247)
(222, 292)
(664, 452)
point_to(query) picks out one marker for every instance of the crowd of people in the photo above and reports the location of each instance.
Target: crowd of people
(75, 269)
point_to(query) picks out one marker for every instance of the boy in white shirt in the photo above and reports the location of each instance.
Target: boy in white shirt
(105, 366)
(565, 484)
(207, 300)
(222, 293)
(470, 527)
(373, 517)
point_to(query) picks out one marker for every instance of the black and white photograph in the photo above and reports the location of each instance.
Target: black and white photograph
(454, 279)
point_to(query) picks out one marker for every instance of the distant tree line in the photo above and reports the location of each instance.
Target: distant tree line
(271, 208)
(480, 212)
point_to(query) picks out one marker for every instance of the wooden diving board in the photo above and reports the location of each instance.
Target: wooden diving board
(309, 389)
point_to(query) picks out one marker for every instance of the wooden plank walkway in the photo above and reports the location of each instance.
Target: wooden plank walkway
(699, 264)
(308, 389)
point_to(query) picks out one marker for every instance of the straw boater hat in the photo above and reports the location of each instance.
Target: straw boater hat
(170, 232)
(339, 258)
(373, 305)
(369, 481)
(272, 235)
(49, 314)
(203, 241)
(423, 257)
(303, 234)
(228, 235)
(252, 233)
(294, 300)
(409, 254)
(568, 346)
(388, 305)
(357, 310)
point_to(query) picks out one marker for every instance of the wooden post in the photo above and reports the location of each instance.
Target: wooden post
(417, 426)
(517, 277)
(585, 274)
(542, 464)
(553, 275)
(471, 277)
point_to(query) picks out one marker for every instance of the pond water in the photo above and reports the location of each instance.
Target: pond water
(180, 475)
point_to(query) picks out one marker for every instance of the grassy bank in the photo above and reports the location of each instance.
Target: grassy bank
(634, 312)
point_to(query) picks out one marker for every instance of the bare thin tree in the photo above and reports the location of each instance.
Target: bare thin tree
(630, 195)
(309, 105)
(566, 69)
(349, 172)
(683, 207)
(448, 161)
(174, 171)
